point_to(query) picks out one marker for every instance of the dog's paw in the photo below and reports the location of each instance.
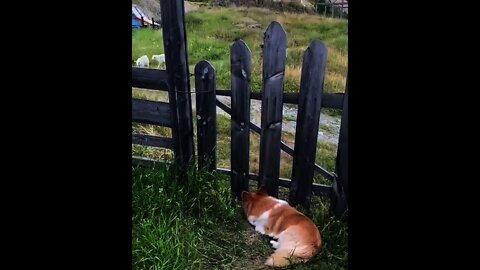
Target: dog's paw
(260, 229)
(274, 244)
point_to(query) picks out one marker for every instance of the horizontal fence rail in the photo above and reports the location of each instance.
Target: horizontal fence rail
(155, 141)
(150, 78)
(332, 101)
(151, 112)
(156, 79)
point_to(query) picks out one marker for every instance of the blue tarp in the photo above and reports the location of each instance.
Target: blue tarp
(135, 23)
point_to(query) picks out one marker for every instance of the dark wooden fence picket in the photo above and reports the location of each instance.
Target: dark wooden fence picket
(176, 62)
(206, 115)
(308, 117)
(339, 198)
(240, 62)
(274, 57)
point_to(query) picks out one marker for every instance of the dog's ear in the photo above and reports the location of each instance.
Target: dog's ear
(262, 190)
(244, 195)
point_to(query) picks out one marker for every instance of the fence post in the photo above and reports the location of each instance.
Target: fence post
(308, 116)
(339, 200)
(341, 10)
(274, 54)
(176, 61)
(206, 115)
(240, 63)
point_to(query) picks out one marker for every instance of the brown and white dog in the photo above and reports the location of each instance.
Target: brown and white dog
(297, 238)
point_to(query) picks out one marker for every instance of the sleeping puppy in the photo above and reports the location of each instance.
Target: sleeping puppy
(295, 236)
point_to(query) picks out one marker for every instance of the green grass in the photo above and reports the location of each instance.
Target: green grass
(289, 118)
(146, 41)
(148, 94)
(223, 141)
(327, 128)
(170, 217)
(194, 224)
(211, 31)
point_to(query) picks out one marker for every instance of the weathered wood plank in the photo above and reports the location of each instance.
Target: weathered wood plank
(149, 78)
(241, 70)
(151, 112)
(308, 117)
(176, 61)
(206, 115)
(339, 199)
(274, 55)
(155, 141)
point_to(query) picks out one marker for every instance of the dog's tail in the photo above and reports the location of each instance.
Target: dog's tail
(283, 258)
(280, 259)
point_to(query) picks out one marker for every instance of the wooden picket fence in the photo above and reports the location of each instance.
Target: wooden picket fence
(177, 114)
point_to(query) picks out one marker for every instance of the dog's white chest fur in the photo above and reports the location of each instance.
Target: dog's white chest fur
(262, 220)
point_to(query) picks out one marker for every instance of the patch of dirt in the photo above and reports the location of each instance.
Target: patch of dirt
(189, 6)
(258, 251)
(251, 237)
(248, 20)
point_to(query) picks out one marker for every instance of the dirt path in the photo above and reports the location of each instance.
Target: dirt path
(189, 6)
